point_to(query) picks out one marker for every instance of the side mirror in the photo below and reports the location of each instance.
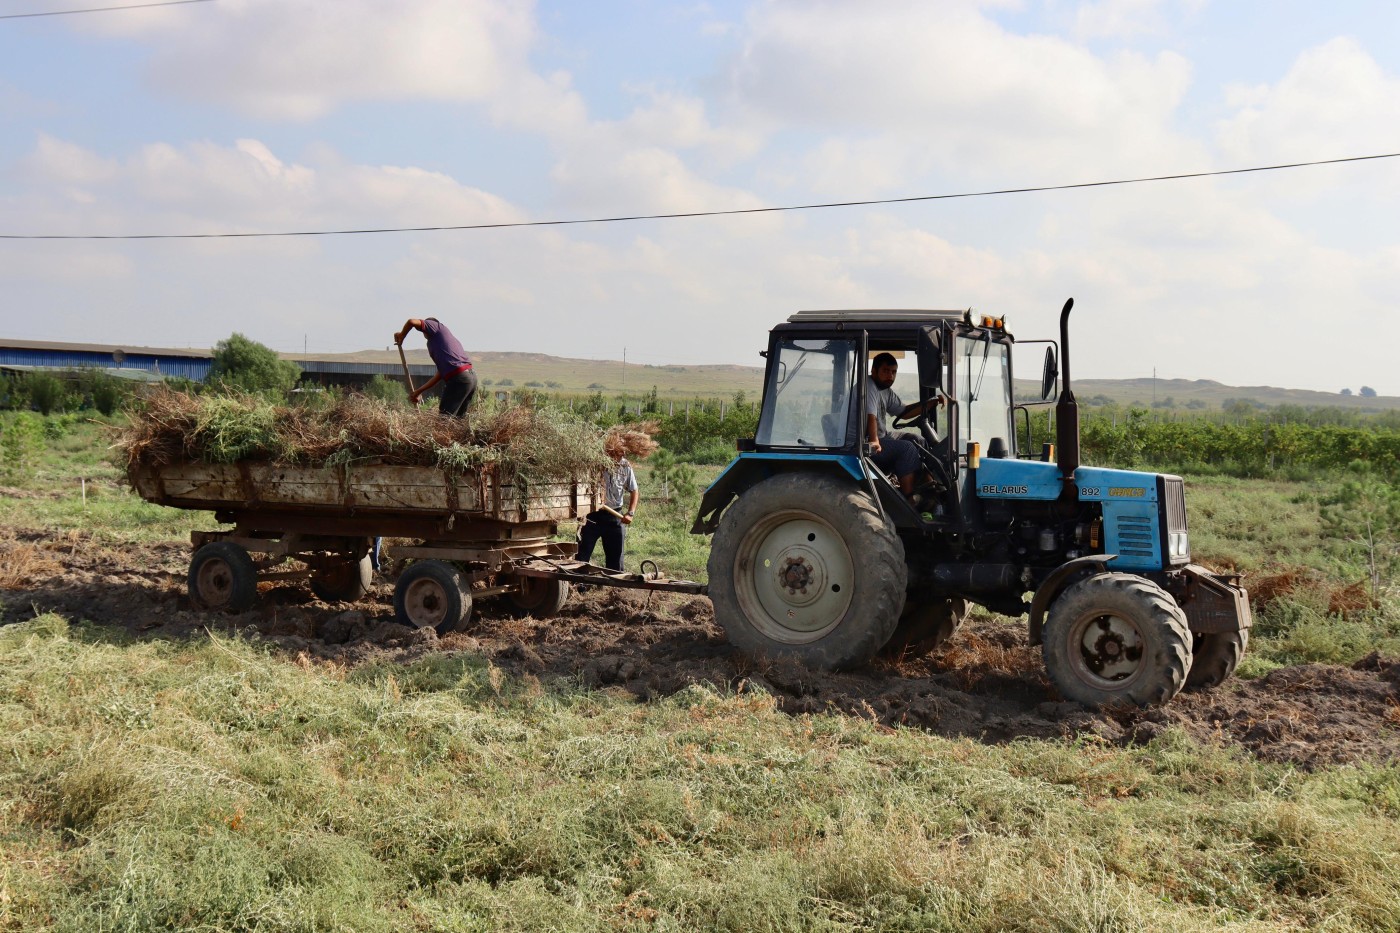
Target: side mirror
(1051, 375)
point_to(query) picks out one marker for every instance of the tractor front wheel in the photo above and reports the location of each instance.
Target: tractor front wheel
(807, 566)
(1117, 638)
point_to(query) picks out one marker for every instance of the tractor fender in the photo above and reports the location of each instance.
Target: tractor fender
(750, 469)
(1053, 585)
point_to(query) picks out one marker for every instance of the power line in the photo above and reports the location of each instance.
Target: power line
(101, 9)
(676, 216)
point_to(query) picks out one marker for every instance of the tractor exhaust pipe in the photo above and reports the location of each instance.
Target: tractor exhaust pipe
(1066, 409)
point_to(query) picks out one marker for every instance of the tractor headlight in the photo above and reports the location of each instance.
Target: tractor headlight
(1178, 544)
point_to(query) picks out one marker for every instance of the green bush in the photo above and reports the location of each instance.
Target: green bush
(247, 365)
(21, 444)
(46, 392)
(386, 390)
(101, 390)
(14, 393)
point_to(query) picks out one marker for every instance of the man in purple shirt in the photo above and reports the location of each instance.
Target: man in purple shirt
(454, 367)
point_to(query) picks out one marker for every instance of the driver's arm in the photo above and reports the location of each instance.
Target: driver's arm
(911, 410)
(872, 433)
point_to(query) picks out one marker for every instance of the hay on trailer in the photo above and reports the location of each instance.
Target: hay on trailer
(632, 441)
(518, 442)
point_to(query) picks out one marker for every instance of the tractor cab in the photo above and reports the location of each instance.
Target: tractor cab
(956, 364)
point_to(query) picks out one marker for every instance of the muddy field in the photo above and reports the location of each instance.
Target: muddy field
(987, 683)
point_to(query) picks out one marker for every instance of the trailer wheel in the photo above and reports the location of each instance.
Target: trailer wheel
(928, 620)
(345, 582)
(1214, 657)
(806, 566)
(538, 597)
(222, 576)
(432, 594)
(1117, 638)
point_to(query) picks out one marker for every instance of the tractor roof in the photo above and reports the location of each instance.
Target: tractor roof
(877, 316)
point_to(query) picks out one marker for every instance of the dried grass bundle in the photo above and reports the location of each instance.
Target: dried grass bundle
(519, 442)
(632, 441)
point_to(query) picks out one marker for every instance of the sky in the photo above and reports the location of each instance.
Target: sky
(271, 116)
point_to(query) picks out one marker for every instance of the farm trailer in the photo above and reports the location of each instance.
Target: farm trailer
(474, 536)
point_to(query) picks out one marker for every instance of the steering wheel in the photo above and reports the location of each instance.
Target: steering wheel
(918, 420)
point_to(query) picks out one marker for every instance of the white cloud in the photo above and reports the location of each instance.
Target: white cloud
(1334, 101)
(299, 61)
(204, 187)
(970, 95)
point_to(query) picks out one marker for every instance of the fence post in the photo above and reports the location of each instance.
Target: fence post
(721, 409)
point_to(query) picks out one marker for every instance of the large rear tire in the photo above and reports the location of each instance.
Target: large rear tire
(432, 594)
(806, 566)
(928, 620)
(222, 576)
(1117, 638)
(1214, 658)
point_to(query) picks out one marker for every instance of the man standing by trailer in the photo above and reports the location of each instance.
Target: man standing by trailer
(454, 367)
(609, 524)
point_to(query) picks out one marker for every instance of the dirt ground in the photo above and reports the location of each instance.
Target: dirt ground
(987, 683)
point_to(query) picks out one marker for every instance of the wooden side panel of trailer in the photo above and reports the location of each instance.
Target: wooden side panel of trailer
(360, 489)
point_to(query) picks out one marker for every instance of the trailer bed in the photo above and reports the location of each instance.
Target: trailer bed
(471, 536)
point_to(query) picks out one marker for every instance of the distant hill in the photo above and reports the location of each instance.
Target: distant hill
(611, 377)
(1182, 392)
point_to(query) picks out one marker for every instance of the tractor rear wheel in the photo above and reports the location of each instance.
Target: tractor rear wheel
(928, 620)
(1214, 657)
(1117, 638)
(807, 566)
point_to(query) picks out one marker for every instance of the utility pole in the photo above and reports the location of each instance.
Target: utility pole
(624, 373)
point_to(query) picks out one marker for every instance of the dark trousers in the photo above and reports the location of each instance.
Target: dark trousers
(457, 393)
(605, 527)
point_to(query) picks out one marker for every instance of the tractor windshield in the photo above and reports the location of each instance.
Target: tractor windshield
(810, 394)
(983, 373)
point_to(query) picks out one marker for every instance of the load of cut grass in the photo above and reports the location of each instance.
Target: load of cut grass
(518, 442)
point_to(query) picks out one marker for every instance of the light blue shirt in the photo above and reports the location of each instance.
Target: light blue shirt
(618, 481)
(882, 403)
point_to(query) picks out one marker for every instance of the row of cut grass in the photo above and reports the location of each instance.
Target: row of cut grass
(214, 785)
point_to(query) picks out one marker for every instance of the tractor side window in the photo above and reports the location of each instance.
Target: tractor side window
(984, 391)
(810, 394)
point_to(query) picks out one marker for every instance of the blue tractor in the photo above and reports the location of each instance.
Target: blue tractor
(818, 555)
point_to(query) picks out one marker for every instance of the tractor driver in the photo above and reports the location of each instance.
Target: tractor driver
(890, 452)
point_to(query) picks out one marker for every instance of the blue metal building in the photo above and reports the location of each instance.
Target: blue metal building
(44, 354)
(347, 369)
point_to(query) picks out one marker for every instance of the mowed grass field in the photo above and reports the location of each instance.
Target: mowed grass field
(216, 783)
